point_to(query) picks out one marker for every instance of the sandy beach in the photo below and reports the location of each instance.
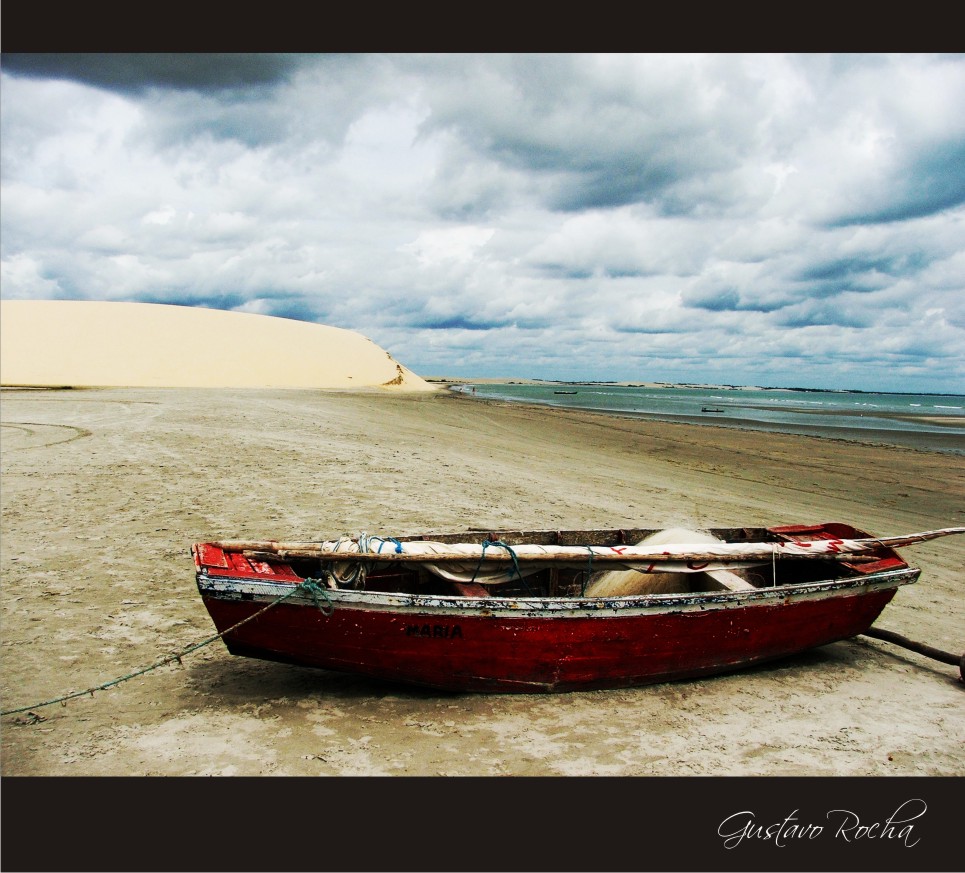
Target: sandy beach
(104, 491)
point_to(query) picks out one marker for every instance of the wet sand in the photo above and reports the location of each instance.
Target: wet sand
(105, 490)
(950, 421)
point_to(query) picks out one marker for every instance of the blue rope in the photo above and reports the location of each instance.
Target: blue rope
(313, 587)
(486, 544)
(384, 540)
(589, 571)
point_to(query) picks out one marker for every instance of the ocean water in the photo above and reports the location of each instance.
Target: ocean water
(900, 419)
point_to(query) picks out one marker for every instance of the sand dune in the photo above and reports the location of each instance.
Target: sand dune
(97, 344)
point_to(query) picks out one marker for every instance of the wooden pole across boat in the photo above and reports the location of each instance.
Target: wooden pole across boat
(576, 558)
(425, 552)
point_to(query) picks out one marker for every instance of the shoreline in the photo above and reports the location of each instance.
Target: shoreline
(928, 441)
(700, 386)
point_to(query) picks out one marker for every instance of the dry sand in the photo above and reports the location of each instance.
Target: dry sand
(105, 490)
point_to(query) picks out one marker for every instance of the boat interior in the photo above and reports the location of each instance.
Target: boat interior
(572, 579)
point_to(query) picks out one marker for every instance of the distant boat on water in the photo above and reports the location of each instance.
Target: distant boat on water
(711, 409)
(564, 392)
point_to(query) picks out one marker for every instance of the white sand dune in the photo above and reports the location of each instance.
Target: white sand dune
(85, 343)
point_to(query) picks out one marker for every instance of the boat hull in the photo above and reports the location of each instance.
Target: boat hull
(549, 645)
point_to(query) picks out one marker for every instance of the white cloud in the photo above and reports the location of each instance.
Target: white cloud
(763, 218)
(452, 244)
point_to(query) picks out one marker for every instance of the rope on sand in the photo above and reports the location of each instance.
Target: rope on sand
(922, 648)
(309, 585)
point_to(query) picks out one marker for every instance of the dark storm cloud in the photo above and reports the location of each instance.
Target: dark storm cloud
(136, 72)
(457, 323)
(623, 181)
(860, 273)
(281, 304)
(227, 96)
(562, 271)
(932, 182)
(731, 300)
(226, 301)
(713, 300)
(824, 312)
(590, 137)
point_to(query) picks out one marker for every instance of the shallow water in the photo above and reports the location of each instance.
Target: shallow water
(929, 421)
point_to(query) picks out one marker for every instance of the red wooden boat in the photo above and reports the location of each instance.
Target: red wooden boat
(540, 611)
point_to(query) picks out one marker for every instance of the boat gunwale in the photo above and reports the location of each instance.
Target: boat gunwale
(252, 589)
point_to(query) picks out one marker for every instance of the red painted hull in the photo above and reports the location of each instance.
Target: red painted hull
(545, 631)
(490, 650)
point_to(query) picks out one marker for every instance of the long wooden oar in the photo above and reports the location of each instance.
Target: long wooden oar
(422, 551)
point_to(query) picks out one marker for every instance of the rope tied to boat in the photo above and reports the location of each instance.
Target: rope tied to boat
(313, 587)
(383, 541)
(309, 585)
(499, 543)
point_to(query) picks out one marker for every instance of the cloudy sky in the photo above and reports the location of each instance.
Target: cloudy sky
(761, 219)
